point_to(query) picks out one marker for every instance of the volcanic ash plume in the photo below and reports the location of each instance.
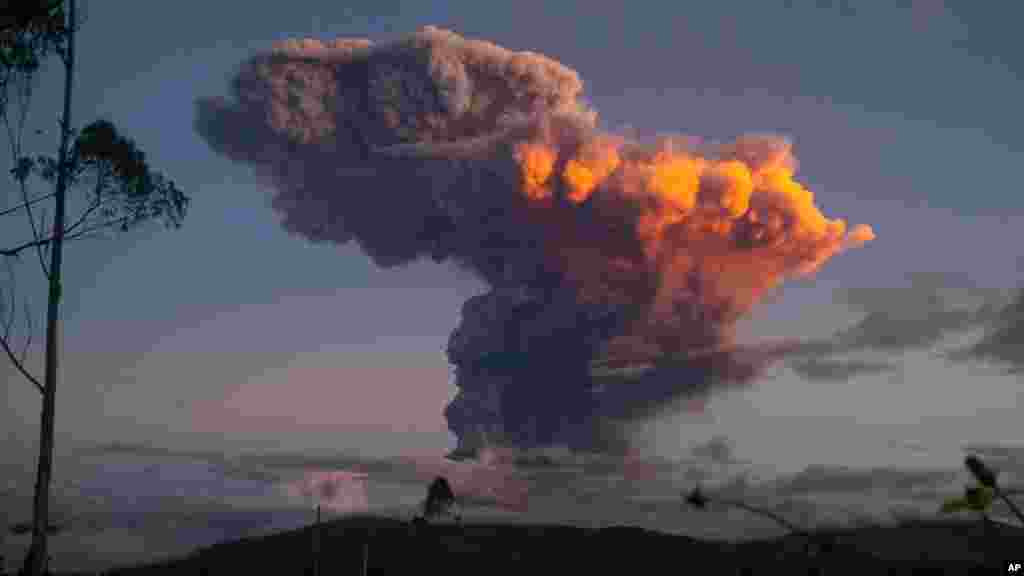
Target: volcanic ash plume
(596, 247)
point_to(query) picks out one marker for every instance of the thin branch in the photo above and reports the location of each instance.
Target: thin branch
(85, 214)
(22, 247)
(43, 216)
(9, 322)
(82, 233)
(18, 365)
(10, 307)
(29, 331)
(24, 102)
(765, 513)
(35, 200)
(1006, 500)
(15, 140)
(27, 205)
(35, 231)
(100, 179)
(43, 241)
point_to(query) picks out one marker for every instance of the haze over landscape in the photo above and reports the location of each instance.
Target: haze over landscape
(593, 254)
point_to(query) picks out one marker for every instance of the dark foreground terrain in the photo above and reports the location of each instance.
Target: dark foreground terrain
(953, 547)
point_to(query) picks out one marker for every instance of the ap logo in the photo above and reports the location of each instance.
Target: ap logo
(1013, 568)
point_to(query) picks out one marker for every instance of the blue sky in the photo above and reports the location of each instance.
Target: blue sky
(228, 333)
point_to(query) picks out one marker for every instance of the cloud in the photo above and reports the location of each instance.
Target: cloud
(822, 369)
(1003, 342)
(825, 479)
(337, 490)
(718, 449)
(144, 449)
(896, 320)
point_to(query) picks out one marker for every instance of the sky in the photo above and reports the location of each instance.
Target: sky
(230, 334)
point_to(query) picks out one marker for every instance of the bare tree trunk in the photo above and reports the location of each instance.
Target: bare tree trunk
(38, 554)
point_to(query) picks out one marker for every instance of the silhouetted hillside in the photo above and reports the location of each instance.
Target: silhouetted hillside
(953, 547)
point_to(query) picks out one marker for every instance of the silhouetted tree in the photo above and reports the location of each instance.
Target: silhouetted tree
(30, 31)
(440, 501)
(120, 188)
(979, 498)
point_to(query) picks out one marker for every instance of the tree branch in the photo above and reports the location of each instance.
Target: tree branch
(15, 149)
(11, 252)
(85, 214)
(83, 232)
(15, 143)
(10, 319)
(19, 363)
(22, 247)
(19, 366)
(100, 179)
(35, 200)
(35, 230)
(29, 331)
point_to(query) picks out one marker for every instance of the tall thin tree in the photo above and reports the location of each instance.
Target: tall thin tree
(122, 191)
(41, 501)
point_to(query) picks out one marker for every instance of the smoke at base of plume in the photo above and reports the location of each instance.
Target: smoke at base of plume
(596, 247)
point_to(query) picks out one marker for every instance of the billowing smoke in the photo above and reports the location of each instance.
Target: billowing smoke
(598, 249)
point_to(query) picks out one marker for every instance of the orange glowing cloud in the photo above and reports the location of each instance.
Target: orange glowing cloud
(732, 223)
(592, 166)
(537, 163)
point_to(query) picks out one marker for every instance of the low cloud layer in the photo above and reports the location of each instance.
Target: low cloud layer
(823, 369)
(923, 315)
(166, 502)
(1003, 342)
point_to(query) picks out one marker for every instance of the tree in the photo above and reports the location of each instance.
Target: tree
(121, 192)
(979, 498)
(440, 501)
(30, 31)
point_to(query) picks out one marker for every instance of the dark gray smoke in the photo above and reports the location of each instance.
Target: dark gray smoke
(441, 147)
